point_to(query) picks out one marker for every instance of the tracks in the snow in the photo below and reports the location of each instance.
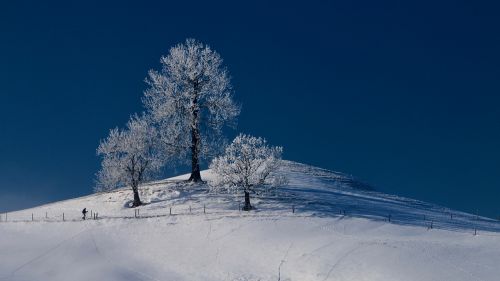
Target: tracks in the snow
(44, 253)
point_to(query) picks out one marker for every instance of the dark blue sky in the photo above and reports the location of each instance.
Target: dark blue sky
(404, 96)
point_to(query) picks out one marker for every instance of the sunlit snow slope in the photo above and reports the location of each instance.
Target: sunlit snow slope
(321, 226)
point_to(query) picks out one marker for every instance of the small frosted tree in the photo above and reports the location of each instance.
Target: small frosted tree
(129, 157)
(190, 101)
(248, 163)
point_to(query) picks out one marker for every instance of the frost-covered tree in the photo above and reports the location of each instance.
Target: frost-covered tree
(190, 101)
(248, 163)
(129, 157)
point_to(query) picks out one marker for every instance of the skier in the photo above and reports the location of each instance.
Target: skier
(84, 212)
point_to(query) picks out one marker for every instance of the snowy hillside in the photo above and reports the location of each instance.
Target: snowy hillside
(322, 225)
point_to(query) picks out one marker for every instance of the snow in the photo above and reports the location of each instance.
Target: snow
(316, 242)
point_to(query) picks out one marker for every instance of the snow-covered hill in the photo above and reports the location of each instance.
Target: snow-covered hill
(322, 226)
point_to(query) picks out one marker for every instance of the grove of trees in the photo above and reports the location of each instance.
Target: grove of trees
(188, 102)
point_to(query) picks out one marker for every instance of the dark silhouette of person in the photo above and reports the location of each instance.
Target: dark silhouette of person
(84, 212)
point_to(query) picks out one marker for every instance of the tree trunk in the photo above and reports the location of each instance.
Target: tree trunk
(137, 200)
(195, 163)
(195, 145)
(247, 206)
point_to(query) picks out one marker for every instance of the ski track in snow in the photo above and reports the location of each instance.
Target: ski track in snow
(343, 257)
(44, 254)
(283, 260)
(141, 275)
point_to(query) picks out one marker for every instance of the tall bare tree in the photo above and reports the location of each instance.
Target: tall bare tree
(190, 101)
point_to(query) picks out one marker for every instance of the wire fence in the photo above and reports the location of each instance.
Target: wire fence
(454, 222)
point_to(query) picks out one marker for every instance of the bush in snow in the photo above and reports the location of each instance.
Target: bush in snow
(129, 157)
(190, 100)
(248, 163)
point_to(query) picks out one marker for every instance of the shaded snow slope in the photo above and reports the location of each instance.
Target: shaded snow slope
(322, 225)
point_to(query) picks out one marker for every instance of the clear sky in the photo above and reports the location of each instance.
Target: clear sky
(404, 96)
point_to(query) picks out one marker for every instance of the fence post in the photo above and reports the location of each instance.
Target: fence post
(204, 209)
(63, 216)
(293, 209)
(32, 217)
(475, 231)
(46, 215)
(170, 210)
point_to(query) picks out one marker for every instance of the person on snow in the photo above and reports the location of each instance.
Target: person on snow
(84, 212)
